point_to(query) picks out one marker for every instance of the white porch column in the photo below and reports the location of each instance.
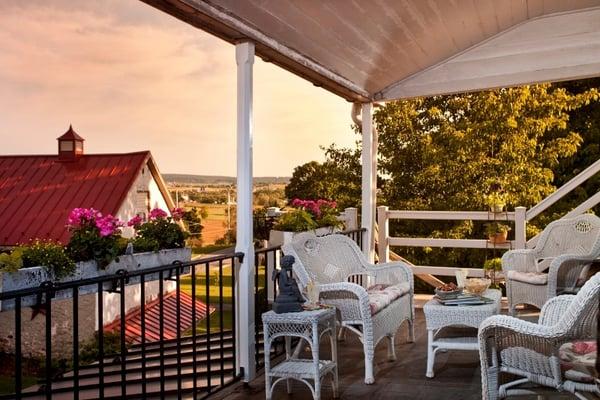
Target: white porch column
(369, 180)
(244, 57)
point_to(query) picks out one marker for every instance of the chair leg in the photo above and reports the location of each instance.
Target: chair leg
(369, 356)
(411, 331)
(391, 348)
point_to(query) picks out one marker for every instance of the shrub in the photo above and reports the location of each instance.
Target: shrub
(160, 231)
(49, 255)
(11, 262)
(95, 236)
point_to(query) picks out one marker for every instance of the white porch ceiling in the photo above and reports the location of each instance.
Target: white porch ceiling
(389, 49)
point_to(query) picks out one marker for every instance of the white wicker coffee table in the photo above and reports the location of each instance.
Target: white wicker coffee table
(438, 316)
(307, 325)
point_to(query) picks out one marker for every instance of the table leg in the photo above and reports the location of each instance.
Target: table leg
(288, 355)
(430, 354)
(334, 358)
(315, 356)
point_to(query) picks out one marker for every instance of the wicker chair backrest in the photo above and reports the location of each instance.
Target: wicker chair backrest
(326, 259)
(579, 235)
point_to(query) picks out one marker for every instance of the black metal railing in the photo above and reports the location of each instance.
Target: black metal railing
(266, 261)
(180, 343)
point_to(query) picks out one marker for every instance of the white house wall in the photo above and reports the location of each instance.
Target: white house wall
(132, 205)
(144, 185)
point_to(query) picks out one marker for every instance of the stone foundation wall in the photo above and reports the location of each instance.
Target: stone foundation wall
(33, 331)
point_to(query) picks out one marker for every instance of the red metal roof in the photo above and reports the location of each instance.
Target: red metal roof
(37, 192)
(133, 320)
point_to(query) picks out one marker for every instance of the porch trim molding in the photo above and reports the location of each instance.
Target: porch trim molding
(369, 179)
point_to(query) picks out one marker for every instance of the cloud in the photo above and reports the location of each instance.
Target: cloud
(130, 77)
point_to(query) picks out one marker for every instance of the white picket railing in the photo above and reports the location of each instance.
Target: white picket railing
(519, 217)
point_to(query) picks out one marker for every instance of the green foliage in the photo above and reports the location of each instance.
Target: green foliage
(267, 197)
(159, 233)
(87, 244)
(337, 178)
(192, 219)
(228, 238)
(296, 220)
(494, 264)
(90, 353)
(11, 262)
(49, 255)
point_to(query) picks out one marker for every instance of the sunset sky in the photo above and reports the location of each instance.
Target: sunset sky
(129, 77)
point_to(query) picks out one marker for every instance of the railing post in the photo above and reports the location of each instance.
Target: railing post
(244, 56)
(384, 230)
(520, 227)
(351, 217)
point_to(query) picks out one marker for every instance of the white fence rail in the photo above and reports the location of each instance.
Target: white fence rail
(519, 217)
(384, 215)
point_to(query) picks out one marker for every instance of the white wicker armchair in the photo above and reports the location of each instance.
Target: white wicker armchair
(531, 351)
(330, 261)
(564, 250)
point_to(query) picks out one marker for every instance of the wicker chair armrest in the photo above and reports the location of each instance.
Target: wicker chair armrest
(564, 261)
(506, 332)
(392, 273)
(351, 292)
(519, 260)
(554, 309)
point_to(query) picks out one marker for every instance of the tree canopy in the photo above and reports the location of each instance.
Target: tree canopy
(449, 152)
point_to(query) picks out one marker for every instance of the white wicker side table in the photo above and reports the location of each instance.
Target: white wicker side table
(439, 316)
(307, 325)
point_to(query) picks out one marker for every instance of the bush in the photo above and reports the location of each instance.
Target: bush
(49, 255)
(11, 262)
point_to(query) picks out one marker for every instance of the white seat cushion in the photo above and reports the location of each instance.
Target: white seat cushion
(533, 278)
(578, 361)
(382, 295)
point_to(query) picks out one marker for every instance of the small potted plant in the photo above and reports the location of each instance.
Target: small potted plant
(496, 199)
(491, 267)
(497, 232)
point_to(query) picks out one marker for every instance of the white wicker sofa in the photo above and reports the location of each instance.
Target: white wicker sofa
(533, 351)
(373, 314)
(564, 250)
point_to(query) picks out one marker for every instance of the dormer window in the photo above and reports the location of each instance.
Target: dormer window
(70, 146)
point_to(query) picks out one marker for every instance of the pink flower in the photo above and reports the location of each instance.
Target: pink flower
(108, 225)
(135, 221)
(81, 216)
(157, 213)
(177, 213)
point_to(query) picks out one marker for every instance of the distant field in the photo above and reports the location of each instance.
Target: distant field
(215, 225)
(215, 180)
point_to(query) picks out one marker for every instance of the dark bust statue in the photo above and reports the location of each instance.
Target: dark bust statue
(288, 298)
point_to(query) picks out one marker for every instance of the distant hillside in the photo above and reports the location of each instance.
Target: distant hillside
(219, 180)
